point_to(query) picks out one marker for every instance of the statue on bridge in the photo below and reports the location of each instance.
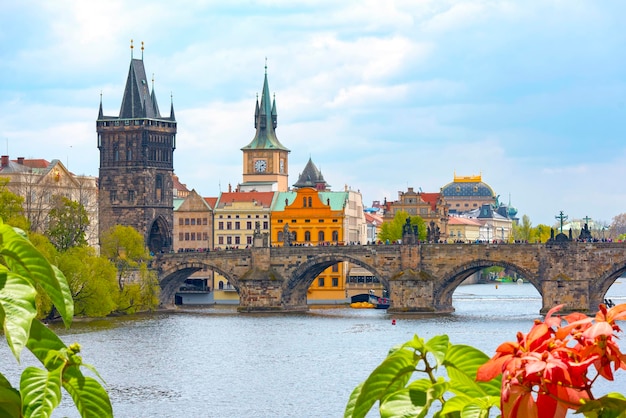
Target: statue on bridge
(585, 234)
(433, 232)
(286, 236)
(409, 233)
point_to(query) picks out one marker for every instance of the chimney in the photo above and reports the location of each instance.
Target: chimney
(5, 161)
(20, 160)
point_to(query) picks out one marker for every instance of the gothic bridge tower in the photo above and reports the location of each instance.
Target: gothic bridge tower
(137, 163)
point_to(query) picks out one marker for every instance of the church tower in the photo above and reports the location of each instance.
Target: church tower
(265, 159)
(136, 163)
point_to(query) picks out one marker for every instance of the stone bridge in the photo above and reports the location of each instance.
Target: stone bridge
(420, 278)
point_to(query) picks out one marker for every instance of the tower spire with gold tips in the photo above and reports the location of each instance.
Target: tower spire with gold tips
(142, 50)
(131, 49)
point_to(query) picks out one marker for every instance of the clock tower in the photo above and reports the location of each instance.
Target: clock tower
(265, 159)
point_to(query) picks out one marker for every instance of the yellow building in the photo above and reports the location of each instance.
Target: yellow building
(236, 216)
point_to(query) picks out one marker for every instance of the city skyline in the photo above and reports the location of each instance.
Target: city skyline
(382, 96)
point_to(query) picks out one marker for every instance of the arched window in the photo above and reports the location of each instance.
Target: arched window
(304, 202)
(221, 285)
(294, 236)
(310, 201)
(158, 188)
(307, 236)
(320, 236)
(116, 151)
(335, 235)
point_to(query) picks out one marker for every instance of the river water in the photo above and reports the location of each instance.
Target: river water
(215, 362)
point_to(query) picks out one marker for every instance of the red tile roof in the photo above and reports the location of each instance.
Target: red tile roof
(264, 198)
(211, 201)
(431, 198)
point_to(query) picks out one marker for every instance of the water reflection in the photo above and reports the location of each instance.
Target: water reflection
(215, 362)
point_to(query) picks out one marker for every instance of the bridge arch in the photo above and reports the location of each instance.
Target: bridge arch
(599, 288)
(444, 289)
(173, 277)
(296, 286)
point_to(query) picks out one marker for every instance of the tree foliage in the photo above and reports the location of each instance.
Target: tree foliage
(392, 230)
(23, 273)
(618, 226)
(11, 206)
(125, 247)
(92, 280)
(67, 224)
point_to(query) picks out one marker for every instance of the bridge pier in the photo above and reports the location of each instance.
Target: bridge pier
(413, 292)
(262, 291)
(573, 294)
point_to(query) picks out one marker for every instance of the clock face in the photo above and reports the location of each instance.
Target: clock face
(260, 166)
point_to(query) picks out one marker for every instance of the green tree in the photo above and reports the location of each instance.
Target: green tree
(542, 233)
(125, 247)
(392, 230)
(11, 206)
(523, 231)
(92, 280)
(142, 294)
(67, 223)
(23, 272)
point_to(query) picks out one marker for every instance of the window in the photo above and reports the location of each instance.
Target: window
(205, 236)
(310, 201)
(307, 236)
(204, 221)
(249, 240)
(186, 236)
(220, 240)
(220, 225)
(320, 282)
(113, 195)
(199, 220)
(229, 225)
(181, 221)
(229, 240)
(237, 225)
(186, 221)
(131, 196)
(335, 282)
(335, 236)
(335, 268)
(237, 240)
(248, 225)
(265, 225)
(180, 236)
(320, 236)
(304, 202)
(193, 236)
(193, 221)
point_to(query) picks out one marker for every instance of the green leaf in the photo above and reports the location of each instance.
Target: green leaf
(10, 401)
(413, 401)
(462, 363)
(18, 309)
(438, 346)
(469, 407)
(25, 260)
(42, 341)
(89, 396)
(41, 391)
(393, 373)
(611, 405)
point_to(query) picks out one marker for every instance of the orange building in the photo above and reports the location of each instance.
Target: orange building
(310, 217)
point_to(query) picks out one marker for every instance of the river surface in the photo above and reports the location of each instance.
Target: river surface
(215, 362)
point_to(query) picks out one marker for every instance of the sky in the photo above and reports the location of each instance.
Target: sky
(381, 95)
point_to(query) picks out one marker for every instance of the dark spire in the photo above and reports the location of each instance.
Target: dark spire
(172, 117)
(100, 113)
(153, 99)
(265, 122)
(138, 101)
(312, 177)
